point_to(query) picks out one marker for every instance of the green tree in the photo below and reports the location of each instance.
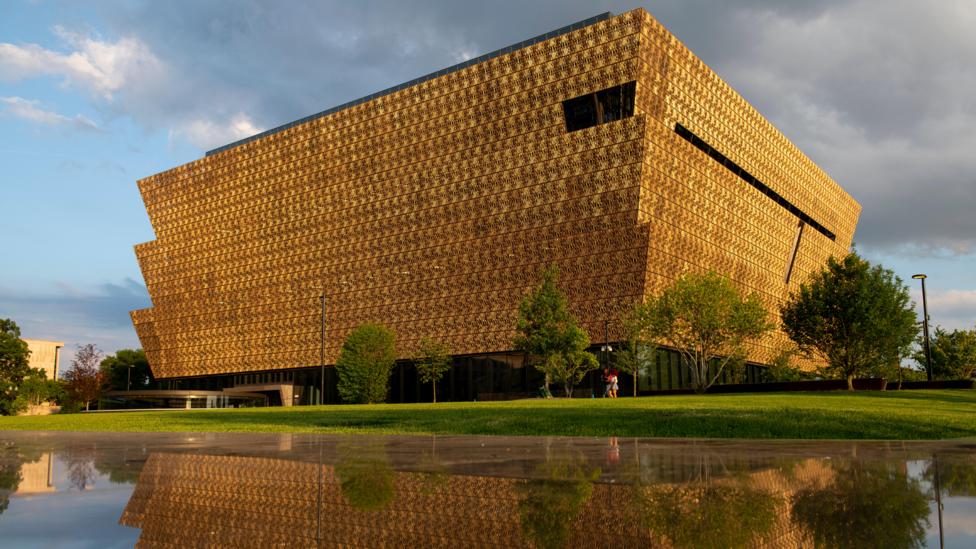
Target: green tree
(782, 368)
(36, 389)
(639, 348)
(118, 368)
(432, 360)
(569, 367)
(855, 316)
(864, 505)
(953, 354)
(891, 370)
(84, 381)
(14, 365)
(549, 334)
(365, 364)
(707, 320)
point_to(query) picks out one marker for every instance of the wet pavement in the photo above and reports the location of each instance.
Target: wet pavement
(258, 490)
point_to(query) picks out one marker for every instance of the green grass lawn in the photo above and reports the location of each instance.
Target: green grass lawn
(935, 414)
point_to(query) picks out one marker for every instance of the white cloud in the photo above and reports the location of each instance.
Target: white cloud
(28, 110)
(952, 309)
(464, 54)
(98, 66)
(123, 77)
(208, 133)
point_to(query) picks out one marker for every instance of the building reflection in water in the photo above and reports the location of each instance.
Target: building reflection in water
(24, 474)
(37, 477)
(687, 497)
(493, 491)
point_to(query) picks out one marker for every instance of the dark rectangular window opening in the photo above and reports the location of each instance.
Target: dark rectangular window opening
(600, 107)
(700, 144)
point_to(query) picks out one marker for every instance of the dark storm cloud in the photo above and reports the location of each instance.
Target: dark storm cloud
(880, 94)
(280, 61)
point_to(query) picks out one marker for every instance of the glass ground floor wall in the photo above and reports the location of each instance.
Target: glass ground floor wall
(156, 399)
(499, 376)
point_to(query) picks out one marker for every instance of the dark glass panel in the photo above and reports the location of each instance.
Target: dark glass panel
(600, 107)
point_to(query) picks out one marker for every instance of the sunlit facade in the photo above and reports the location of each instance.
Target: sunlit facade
(605, 148)
(45, 355)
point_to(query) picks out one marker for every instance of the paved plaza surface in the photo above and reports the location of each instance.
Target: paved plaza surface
(262, 490)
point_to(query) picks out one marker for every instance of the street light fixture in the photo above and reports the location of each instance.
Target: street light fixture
(606, 348)
(925, 326)
(606, 337)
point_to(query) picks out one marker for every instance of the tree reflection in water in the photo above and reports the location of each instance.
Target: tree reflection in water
(9, 473)
(549, 506)
(706, 513)
(349, 491)
(957, 474)
(121, 471)
(80, 461)
(82, 468)
(365, 475)
(864, 504)
(433, 474)
(708, 500)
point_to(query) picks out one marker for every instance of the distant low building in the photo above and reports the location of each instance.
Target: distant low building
(45, 355)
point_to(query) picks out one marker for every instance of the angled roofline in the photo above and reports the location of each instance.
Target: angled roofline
(474, 61)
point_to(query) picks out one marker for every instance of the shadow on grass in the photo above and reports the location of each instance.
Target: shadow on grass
(713, 423)
(958, 396)
(842, 415)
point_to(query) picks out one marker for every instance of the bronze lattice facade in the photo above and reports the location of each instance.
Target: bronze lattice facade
(607, 149)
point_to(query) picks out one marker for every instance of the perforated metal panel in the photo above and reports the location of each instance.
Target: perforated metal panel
(434, 208)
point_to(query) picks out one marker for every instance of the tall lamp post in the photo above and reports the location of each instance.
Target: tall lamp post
(128, 378)
(606, 344)
(925, 326)
(322, 353)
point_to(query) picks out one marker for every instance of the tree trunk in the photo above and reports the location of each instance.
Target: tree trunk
(697, 377)
(635, 383)
(569, 390)
(433, 385)
(850, 382)
(86, 405)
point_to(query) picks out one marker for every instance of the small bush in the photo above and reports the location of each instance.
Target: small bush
(781, 368)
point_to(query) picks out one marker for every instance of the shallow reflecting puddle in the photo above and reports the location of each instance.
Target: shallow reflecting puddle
(237, 490)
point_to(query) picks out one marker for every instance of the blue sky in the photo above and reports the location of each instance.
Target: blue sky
(96, 96)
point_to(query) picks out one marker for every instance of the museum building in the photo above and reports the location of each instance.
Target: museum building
(605, 148)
